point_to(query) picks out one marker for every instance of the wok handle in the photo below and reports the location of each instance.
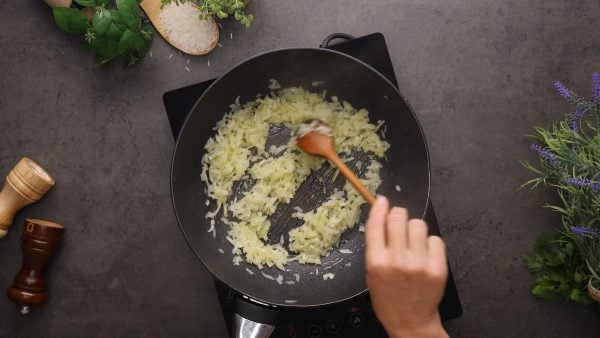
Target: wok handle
(252, 320)
(334, 36)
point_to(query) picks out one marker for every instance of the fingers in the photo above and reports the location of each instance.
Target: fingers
(375, 229)
(392, 229)
(417, 237)
(396, 228)
(437, 256)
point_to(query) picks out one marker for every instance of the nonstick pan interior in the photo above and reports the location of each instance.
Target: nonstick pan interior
(406, 167)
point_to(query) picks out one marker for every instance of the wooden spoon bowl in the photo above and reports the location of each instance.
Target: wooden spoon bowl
(314, 138)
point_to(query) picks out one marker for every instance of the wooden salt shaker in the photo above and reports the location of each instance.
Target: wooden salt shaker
(40, 240)
(26, 183)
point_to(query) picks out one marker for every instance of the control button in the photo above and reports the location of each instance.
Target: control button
(314, 331)
(288, 331)
(356, 319)
(374, 315)
(332, 326)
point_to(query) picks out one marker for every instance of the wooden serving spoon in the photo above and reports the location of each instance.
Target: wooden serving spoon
(314, 137)
(205, 32)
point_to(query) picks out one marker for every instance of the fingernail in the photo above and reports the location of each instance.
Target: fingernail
(380, 199)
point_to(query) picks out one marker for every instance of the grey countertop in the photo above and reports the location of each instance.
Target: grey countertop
(478, 73)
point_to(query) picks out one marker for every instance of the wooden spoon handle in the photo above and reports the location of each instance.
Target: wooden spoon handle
(352, 178)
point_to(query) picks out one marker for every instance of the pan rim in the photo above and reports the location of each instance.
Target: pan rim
(226, 73)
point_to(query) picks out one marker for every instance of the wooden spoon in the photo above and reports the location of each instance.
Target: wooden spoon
(205, 32)
(314, 137)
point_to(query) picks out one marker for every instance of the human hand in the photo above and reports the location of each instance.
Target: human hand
(406, 272)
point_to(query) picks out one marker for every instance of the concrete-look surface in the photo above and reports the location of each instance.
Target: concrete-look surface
(478, 73)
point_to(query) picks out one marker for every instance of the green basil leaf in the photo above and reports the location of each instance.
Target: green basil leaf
(99, 60)
(114, 32)
(70, 20)
(129, 5)
(142, 51)
(86, 3)
(558, 278)
(575, 295)
(577, 277)
(105, 47)
(539, 290)
(101, 21)
(117, 19)
(130, 40)
(132, 21)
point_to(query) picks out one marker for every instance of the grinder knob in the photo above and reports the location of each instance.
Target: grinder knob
(26, 183)
(39, 241)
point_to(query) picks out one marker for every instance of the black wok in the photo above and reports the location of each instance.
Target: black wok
(406, 167)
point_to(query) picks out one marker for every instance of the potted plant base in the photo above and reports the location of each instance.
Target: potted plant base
(594, 291)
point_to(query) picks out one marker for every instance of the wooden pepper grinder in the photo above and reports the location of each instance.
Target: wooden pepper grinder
(26, 183)
(39, 241)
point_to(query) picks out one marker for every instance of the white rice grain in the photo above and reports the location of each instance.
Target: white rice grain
(180, 22)
(267, 276)
(329, 275)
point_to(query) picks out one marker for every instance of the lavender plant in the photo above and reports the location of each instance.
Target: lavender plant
(589, 245)
(569, 160)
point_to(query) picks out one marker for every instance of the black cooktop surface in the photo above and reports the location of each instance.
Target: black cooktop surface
(351, 318)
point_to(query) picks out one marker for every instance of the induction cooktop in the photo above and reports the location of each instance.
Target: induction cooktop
(354, 317)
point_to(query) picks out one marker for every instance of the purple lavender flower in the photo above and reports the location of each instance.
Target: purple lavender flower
(565, 92)
(575, 125)
(583, 231)
(596, 87)
(584, 183)
(548, 156)
(577, 114)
